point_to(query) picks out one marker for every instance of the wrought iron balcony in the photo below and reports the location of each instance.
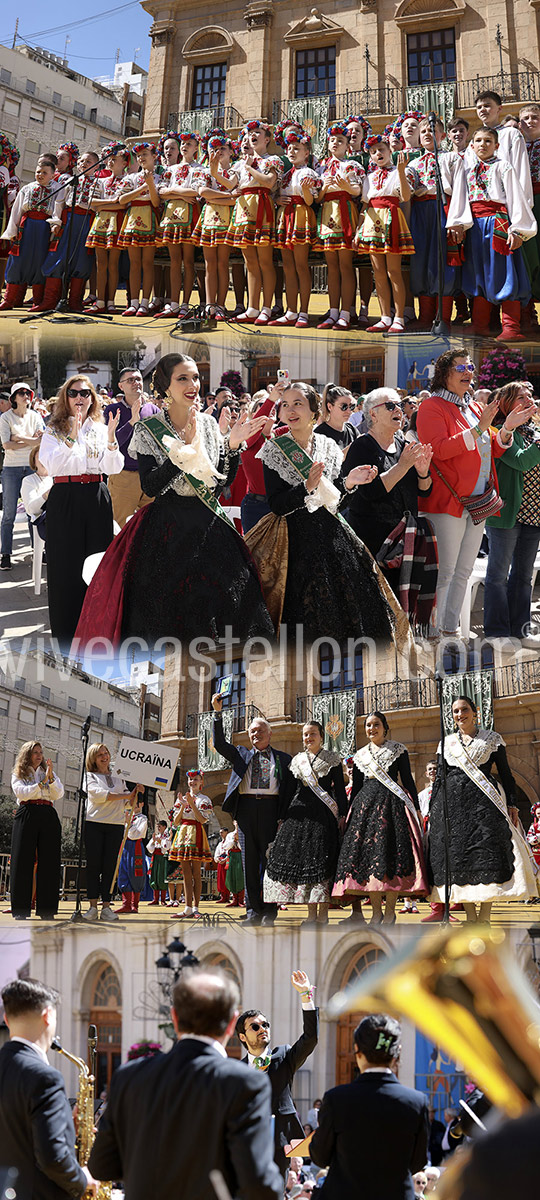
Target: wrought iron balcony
(243, 715)
(225, 115)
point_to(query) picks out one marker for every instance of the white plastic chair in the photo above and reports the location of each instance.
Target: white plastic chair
(37, 560)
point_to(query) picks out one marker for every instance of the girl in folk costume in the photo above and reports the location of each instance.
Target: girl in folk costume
(221, 858)
(407, 130)
(303, 550)
(494, 271)
(303, 856)
(178, 188)
(234, 875)
(456, 218)
(207, 579)
(252, 223)
(213, 224)
(190, 846)
(384, 233)
(36, 833)
(139, 232)
(69, 256)
(489, 856)
(169, 156)
(159, 846)
(341, 182)
(103, 235)
(359, 130)
(36, 215)
(281, 133)
(67, 156)
(133, 871)
(296, 232)
(382, 853)
(9, 187)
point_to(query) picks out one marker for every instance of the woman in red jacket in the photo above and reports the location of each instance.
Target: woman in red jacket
(463, 465)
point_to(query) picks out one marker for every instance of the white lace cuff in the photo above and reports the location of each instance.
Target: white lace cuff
(325, 495)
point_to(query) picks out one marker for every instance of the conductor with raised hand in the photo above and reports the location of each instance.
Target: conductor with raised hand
(257, 795)
(281, 1063)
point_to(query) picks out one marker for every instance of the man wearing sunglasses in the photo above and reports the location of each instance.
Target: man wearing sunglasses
(281, 1063)
(126, 493)
(20, 430)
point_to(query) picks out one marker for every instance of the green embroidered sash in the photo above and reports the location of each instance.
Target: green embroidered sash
(159, 432)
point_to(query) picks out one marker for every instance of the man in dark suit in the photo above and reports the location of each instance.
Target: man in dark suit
(172, 1120)
(504, 1162)
(374, 1129)
(37, 1135)
(282, 1063)
(257, 797)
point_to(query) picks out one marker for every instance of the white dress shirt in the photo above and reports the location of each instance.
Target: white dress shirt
(89, 455)
(32, 1045)
(271, 790)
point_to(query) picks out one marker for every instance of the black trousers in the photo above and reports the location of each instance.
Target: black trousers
(36, 830)
(257, 822)
(102, 843)
(79, 523)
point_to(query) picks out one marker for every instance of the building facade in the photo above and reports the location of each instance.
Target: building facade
(43, 102)
(271, 59)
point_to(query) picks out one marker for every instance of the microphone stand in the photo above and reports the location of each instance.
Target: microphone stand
(439, 327)
(62, 306)
(77, 917)
(447, 868)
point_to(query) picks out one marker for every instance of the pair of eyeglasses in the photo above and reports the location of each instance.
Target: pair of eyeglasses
(462, 367)
(84, 392)
(346, 407)
(23, 392)
(389, 405)
(131, 379)
(259, 1025)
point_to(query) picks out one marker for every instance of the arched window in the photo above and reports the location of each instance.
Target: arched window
(218, 959)
(361, 961)
(106, 1014)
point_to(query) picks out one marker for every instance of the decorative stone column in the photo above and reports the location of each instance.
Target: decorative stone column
(258, 15)
(159, 101)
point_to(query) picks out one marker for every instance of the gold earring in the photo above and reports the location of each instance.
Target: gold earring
(167, 400)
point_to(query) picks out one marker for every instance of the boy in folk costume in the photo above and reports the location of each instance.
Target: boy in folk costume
(178, 189)
(529, 124)
(456, 218)
(158, 847)
(252, 223)
(510, 144)
(76, 222)
(9, 187)
(494, 270)
(213, 224)
(384, 233)
(133, 873)
(105, 228)
(221, 858)
(296, 232)
(341, 183)
(457, 131)
(36, 215)
(139, 232)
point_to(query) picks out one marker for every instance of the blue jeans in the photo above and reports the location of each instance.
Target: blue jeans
(252, 509)
(12, 478)
(507, 598)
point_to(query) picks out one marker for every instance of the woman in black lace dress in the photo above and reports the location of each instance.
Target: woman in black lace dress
(303, 856)
(489, 857)
(179, 569)
(382, 854)
(333, 588)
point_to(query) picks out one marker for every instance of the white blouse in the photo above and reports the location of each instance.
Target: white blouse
(454, 182)
(135, 181)
(35, 788)
(29, 196)
(294, 180)
(512, 148)
(159, 841)
(502, 184)
(138, 827)
(88, 456)
(385, 182)
(99, 807)
(33, 491)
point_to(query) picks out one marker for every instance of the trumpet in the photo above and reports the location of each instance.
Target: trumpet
(85, 1107)
(464, 991)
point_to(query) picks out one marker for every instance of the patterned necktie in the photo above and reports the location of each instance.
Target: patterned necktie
(262, 1064)
(260, 770)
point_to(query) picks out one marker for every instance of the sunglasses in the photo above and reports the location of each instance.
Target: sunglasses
(84, 392)
(259, 1025)
(346, 407)
(469, 367)
(389, 405)
(23, 392)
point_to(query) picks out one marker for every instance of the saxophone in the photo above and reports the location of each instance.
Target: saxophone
(85, 1108)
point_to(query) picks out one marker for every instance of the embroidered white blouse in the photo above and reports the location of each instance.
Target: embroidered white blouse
(36, 788)
(89, 455)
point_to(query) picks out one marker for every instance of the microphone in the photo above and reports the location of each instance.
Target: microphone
(86, 727)
(432, 117)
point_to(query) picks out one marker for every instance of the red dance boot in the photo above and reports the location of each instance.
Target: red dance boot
(428, 309)
(135, 897)
(447, 308)
(37, 296)
(127, 898)
(436, 915)
(156, 898)
(481, 313)
(511, 322)
(164, 895)
(13, 296)
(76, 293)
(51, 295)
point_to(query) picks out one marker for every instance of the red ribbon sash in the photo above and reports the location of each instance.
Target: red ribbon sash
(393, 203)
(288, 214)
(265, 207)
(343, 198)
(494, 208)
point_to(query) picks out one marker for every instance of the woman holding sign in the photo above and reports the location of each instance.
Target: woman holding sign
(179, 569)
(315, 571)
(303, 856)
(107, 797)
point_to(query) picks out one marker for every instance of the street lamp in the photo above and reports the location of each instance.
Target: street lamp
(498, 39)
(249, 361)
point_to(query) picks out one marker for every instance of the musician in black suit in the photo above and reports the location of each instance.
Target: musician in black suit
(257, 795)
(375, 1129)
(37, 1134)
(282, 1063)
(172, 1119)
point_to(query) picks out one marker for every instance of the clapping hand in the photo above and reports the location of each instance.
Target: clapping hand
(49, 774)
(488, 416)
(522, 413)
(423, 459)
(112, 425)
(363, 474)
(245, 427)
(412, 454)
(315, 475)
(190, 427)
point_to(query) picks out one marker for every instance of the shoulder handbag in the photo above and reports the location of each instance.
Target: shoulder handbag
(486, 504)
